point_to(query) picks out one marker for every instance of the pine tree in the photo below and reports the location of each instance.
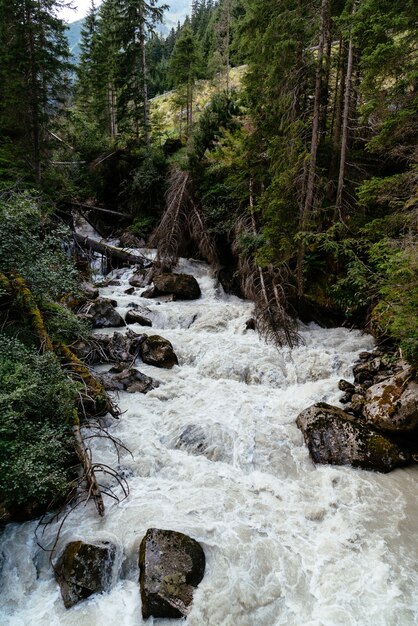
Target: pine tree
(184, 66)
(137, 21)
(33, 74)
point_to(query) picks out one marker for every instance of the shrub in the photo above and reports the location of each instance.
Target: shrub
(36, 407)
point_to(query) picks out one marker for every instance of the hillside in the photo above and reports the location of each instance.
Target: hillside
(164, 110)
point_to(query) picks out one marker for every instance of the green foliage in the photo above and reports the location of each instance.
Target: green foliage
(34, 246)
(142, 226)
(396, 313)
(36, 405)
(62, 325)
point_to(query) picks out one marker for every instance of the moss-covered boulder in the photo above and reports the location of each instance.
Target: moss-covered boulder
(182, 286)
(336, 438)
(157, 351)
(84, 569)
(392, 405)
(171, 566)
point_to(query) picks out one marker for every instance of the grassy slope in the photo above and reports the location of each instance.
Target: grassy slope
(165, 112)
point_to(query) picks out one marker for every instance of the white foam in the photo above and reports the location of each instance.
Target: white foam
(217, 456)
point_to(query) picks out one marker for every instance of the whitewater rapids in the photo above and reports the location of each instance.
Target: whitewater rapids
(217, 455)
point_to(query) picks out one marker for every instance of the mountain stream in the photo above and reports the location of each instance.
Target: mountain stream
(217, 455)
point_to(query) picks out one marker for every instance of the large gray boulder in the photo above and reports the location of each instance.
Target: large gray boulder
(182, 286)
(84, 569)
(392, 405)
(157, 351)
(336, 438)
(171, 566)
(103, 314)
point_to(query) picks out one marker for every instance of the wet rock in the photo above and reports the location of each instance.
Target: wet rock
(346, 398)
(182, 286)
(228, 278)
(357, 404)
(89, 291)
(84, 569)
(151, 292)
(336, 438)
(129, 291)
(130, 380)
(141, 278)
(135, 317)
(365, 370)
(251, 324)
(103, 314)
(157, 351)
(392, 405)
(171, 566)
(344, 385)
(114, 283)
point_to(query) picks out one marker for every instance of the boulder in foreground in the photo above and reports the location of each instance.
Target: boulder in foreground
(336, 438)
(84, 569)
(171, 566)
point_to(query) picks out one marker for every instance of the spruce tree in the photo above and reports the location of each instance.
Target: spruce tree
(33, 74)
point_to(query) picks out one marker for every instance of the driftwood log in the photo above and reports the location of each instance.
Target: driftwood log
(118, 255)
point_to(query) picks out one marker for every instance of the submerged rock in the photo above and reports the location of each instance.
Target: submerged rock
(182, 286)
(130, 380)
(392, 405)
(171, 566)
(157, 351)
(84, 569)
(335, 437)
(103, 314)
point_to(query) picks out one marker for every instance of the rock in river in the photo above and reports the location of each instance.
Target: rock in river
(171, 566)
(156, 350)
(337, 438)
(182, 286)
(84, 569)
(392, 405)
(103, 314)
(130, 380)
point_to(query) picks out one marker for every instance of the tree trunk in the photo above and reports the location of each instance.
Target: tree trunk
(144, 79)
(310, 186)
(111, 252)
(345, 123)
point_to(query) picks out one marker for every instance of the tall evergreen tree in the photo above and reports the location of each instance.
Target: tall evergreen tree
(184, 65)
(33, 66)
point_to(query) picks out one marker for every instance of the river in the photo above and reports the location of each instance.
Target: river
(217, 455)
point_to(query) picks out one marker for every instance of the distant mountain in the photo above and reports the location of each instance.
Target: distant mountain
(74, 38)
(176, 13)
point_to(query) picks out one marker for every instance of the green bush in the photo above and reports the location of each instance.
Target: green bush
(34, 247)
(36, 407)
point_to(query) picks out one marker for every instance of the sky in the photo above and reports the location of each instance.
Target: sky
(81, 8)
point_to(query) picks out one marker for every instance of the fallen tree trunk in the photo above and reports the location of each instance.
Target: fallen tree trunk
(89, 474)
(99, 209)
(111, 252)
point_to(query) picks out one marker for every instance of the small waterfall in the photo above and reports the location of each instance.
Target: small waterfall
(217, 455)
